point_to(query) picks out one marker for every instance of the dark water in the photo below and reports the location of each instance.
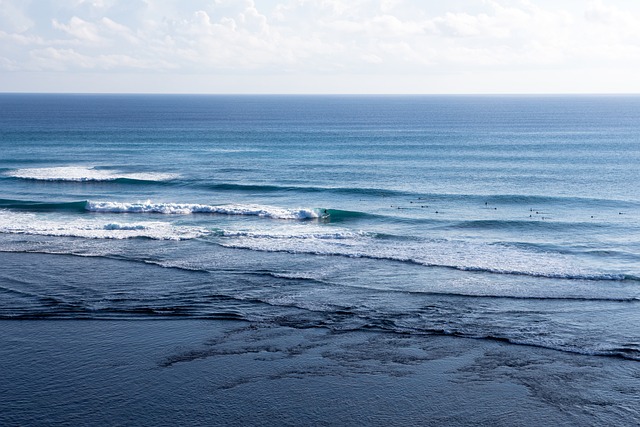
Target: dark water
(508, 219)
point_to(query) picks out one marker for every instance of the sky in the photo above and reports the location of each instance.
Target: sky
(321, 46)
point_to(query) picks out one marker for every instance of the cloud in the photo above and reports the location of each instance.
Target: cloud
(598, 12)
(8, 64)
(59, 59)
(79, 29)
(304, 36)
(14, 18)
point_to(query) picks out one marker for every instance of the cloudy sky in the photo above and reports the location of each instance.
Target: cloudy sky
(320, 46)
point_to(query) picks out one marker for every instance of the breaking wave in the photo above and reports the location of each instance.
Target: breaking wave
(86, 174)
(452, 254)
(193, 208)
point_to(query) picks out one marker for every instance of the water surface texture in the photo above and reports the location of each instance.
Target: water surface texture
(509, 219)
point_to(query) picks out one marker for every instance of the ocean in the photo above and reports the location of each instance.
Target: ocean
(476, 219)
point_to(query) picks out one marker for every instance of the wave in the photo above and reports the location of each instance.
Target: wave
(338, 215)
(32, 224)
(523, 225)
(273, 188)
(192, 208)
(318, 235)
(274, 212)
(456, 255)
(177, 209)
(484, 294)
(86, 174)
(298, 311)
(531, 201)
(313, 238)
(34, 206)
(531, 272)
(187, 266)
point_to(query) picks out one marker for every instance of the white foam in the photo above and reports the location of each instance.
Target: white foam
(82, 173)
(300, 234)
(192, 208)
(43, 225)
(460, 255)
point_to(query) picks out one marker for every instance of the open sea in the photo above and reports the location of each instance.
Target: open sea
(500, 218)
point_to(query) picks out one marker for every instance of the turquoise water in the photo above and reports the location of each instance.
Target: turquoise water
(503, 218)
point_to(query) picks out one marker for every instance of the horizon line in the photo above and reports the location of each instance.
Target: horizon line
(329, 93)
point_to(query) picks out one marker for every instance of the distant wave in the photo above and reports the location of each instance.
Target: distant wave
(86, 174)
(271, 188)
(524, 225)
(531, 201)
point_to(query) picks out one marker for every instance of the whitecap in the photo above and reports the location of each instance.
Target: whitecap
(305, 235)
(83, 174)
(193, 208)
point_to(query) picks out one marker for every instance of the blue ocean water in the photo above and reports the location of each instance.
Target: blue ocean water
(503, 218)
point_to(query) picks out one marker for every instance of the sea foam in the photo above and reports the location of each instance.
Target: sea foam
(304, 235)
(82, 174)
(32, 224)
(453, 254)
(193, 208)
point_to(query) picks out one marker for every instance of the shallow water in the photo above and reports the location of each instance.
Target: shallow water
(204, 372)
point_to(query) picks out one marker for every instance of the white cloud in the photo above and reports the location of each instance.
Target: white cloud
(598, 12)
(8, 64)
(58, 59)
(116, 30)
(79, 28)
(13, 17)
(398, 37)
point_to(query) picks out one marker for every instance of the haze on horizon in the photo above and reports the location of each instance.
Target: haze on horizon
(324, 46)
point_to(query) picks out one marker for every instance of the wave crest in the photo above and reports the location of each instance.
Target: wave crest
(85, 174)
(192, 208)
